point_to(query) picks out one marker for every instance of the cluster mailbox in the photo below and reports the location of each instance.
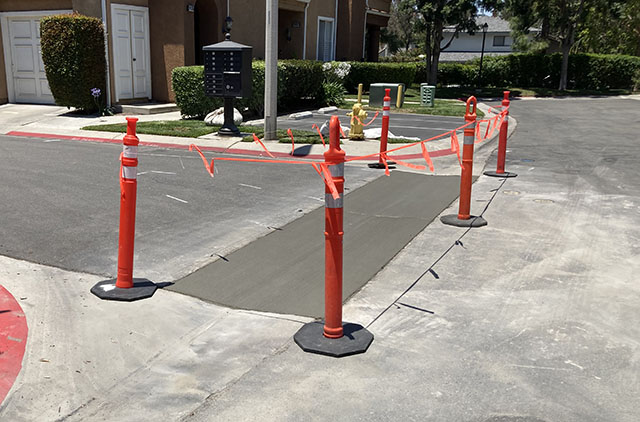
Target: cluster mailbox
(227, 70)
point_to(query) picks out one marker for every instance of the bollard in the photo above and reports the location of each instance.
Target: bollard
(464, 218)
(333, 338)
(502, 143)
(384, 134)
(399, 97)
(124, 287)
(360, 93)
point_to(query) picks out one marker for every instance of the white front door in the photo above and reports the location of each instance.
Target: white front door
(132, 70)
(27, 70)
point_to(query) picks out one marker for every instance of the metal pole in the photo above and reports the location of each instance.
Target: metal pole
(484, 35)
(271, 71)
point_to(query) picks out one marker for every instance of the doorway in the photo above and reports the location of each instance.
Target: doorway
(131, 59)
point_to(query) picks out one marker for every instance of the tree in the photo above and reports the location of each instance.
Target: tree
(402, 29)
(560, 21)
(435, 15)
(611, 28)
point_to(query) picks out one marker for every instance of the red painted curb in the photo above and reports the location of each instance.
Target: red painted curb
(13, 340)
(437, 153)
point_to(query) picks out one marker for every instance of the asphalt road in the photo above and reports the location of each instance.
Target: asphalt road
(400, 124)
(60, 205)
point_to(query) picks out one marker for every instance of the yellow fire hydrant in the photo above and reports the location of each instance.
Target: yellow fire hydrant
(357, 116)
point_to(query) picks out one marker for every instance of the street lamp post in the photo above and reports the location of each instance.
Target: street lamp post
(484, 35)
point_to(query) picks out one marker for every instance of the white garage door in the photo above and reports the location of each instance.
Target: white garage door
(28, 79)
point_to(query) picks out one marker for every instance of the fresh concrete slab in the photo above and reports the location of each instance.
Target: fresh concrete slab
(283, 272)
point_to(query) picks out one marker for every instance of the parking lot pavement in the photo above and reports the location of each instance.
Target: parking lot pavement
(400, 124)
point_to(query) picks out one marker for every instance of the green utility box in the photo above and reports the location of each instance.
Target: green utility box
(376, 94)
(427, 95)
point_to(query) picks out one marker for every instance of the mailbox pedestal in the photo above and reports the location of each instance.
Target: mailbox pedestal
(227, 74)
(229, 127)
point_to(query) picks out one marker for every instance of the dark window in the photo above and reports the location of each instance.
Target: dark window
(499, 41)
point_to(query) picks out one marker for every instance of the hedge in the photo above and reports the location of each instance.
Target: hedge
(299, 83)
(367, 73)
(74, 59)
(586, 71)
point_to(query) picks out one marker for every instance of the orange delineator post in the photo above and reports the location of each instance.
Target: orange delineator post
(333, 337)
(464, 211)
(502, 146)
(502, 142)
(464, 217)
(333, 219)
(384, 134)
(124, 287)
(128, 186)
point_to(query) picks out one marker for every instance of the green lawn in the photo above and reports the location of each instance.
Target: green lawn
(184, 128)
(196, 128)
(441, 108)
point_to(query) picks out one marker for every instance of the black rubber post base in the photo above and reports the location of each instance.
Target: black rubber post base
(453, 220)
(231, 130)
(107, 290)
(311, 339)
(380, 165)
(496, 174)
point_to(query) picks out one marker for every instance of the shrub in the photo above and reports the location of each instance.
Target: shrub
(333, 93)
(188, 87)
(299, 81)
(368, 73)
(535, 70)
(74, 59)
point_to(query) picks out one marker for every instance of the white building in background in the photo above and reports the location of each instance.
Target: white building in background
(466, 46)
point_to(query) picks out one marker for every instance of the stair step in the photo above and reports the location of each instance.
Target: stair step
(151, 108)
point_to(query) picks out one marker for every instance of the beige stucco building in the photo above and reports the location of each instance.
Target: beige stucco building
(146, 39)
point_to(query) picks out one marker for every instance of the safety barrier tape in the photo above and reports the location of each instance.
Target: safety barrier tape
(121, 178)
(425, 154)
(293, 143)
(259, 142)
(315, 126)
(455, 146)
(492, 124)
(370, 121)
(323, 170)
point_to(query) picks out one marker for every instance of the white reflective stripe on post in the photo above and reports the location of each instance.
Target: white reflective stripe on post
(470, 140)
(130, 151)
(385, 113)
(129, 172)
(387, 103)
(330, 202)
(337, 170)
